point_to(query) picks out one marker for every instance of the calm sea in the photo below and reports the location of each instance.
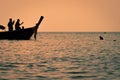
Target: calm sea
(61, 56)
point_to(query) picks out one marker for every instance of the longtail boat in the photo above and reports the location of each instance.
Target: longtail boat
(23, 34)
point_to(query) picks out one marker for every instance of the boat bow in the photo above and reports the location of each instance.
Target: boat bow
(37, 26)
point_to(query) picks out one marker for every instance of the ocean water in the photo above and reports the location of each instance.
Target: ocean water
(61, 56)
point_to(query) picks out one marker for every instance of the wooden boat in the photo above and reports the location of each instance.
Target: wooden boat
(23, 34)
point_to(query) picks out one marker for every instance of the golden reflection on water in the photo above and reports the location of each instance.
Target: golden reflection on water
(61, 56)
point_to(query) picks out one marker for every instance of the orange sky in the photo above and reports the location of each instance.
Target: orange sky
(64, 15)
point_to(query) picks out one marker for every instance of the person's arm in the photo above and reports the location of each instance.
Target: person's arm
(21, 23)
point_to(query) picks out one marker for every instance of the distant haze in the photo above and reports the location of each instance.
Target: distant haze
(64, 15)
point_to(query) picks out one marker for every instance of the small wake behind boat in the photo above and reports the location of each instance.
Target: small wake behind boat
(23, 34)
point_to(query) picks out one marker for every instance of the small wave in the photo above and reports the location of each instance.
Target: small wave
(77, 72)
(81, 77)
(41, 77)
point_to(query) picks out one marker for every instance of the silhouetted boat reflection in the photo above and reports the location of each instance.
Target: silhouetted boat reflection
(23, 34)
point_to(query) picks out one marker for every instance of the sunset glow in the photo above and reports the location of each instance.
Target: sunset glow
(64, 15)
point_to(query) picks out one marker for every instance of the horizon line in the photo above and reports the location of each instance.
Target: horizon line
(80, 31)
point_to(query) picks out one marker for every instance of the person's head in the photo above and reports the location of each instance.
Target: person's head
(10, 19)
(18, 20)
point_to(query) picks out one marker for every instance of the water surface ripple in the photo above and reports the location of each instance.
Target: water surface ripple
(61, 56)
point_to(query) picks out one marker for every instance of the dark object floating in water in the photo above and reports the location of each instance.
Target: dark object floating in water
(114, 40)
(23, 34)
(2, 27)
(101, 38)
(105, 32)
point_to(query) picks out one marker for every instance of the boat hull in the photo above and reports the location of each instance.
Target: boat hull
(23, 34)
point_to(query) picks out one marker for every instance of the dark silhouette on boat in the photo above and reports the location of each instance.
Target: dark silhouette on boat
(10, 24)
(17, 24)
(22, 34)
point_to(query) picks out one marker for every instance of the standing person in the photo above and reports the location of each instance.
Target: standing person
(17, 24)
(10, 24)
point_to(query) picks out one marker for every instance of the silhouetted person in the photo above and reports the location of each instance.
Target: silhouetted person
(17, 24)
(101, 38)
(10, 24)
